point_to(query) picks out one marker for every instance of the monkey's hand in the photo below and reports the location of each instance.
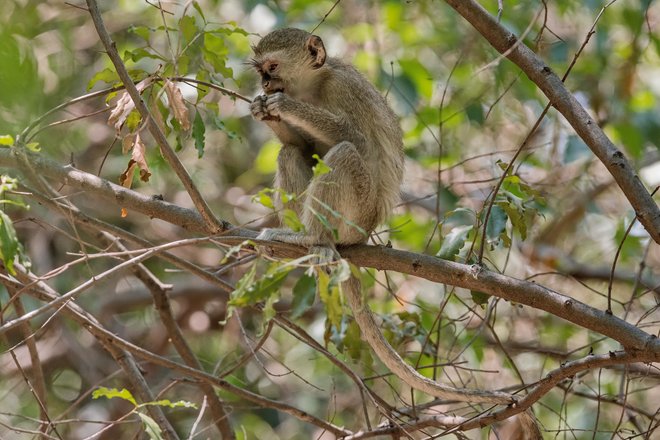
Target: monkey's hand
(278, 104)
(259, 110)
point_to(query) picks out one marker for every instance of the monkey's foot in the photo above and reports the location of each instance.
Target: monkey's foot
(324, 255)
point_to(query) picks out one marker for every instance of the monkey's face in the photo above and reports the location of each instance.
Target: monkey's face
(270, 70)
(288, 61)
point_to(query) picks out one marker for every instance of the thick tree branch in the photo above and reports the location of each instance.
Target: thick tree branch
(211, 223)
(424, 266)
(552, 86)
(509, 288)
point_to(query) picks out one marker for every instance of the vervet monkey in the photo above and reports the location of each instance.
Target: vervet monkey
(317, 104)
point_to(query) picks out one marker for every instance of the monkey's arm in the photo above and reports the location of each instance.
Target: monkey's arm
(314, 122)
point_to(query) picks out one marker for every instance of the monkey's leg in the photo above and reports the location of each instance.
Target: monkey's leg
(340, 206)
(293, 175)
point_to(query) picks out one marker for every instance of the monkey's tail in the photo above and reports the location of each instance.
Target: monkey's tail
(388, 356)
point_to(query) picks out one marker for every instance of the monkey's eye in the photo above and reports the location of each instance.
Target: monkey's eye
(272, 67)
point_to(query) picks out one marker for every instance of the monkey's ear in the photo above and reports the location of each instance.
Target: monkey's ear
(316, 50)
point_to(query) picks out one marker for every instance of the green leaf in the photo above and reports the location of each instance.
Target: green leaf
(250, 291)
(140, 53)
(106, 75)
(133, 120)
(330, 297)
(320, 168)
(326, 224)
(304, 293)
(151, 427)
(111, 393)
(516, 216)
(9, 245)
(199, 10)
(453, 242)
(168, 403)
(198, 132)
(475, 113)
(479, 298)
(33, 146)
(496, 223)
(266, 160)
(292, 221)
(187, 27)
(6, 140)
(141, 31)
(264, 198)
(215, 53)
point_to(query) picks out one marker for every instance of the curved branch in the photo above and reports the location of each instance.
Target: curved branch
(552, 86)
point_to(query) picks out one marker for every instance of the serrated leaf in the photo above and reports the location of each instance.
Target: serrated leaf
(198, 132)
(453, 242)
(177, 104)
(111, 393)
(6, 140)
(320, 168)
(8, 242)
(151, 427)
(304, 293)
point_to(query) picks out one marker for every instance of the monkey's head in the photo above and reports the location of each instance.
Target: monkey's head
(287, 58)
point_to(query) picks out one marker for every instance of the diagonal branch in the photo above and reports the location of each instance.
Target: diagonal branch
(212, 224)
(552, 86)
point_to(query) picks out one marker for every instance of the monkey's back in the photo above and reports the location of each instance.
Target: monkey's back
(350, 94)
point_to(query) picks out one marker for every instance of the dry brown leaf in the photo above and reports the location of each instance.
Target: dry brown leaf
(138, 155)
(127, 143)
(177, 104)
(126, 178)
(125, 105)
(123, 108)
